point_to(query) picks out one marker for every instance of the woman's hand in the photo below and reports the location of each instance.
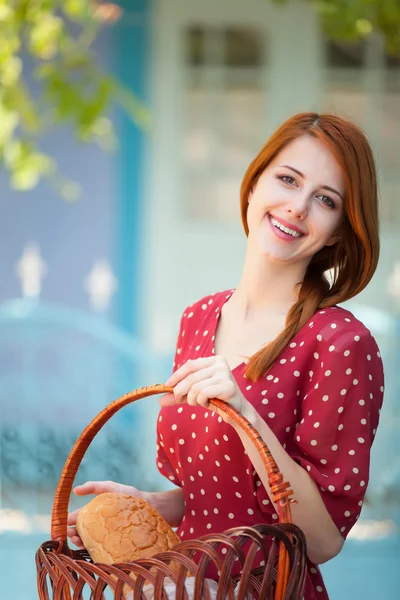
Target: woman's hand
(97, 487)
(199, 380)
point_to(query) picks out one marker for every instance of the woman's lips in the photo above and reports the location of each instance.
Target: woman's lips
(287, 224)
(280, 233)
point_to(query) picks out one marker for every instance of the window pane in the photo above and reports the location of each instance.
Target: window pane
(345, 55)
(230, 46)
(370, 96)
(223, 102)
(243, 48)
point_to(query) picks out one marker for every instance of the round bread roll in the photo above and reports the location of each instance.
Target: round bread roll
(120, 528)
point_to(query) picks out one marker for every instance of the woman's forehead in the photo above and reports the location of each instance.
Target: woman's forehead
(310, 156)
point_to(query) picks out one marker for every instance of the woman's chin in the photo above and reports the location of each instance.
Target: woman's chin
(282, 259)
(277, 259)
(276, 255)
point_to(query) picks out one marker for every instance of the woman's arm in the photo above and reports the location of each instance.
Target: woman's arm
(324, 541)
(196, 382)
(169, 504)
(350, 389)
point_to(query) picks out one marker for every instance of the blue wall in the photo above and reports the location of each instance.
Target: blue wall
(71, 235)
(105, 223)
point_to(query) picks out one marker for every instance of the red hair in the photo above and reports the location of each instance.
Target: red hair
(353, 259)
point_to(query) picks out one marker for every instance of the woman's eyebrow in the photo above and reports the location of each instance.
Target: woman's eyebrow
(293, 169)
(324, 187)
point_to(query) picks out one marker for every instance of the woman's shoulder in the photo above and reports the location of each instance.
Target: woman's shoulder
(211, 303)
(337, 323)
(338, 317)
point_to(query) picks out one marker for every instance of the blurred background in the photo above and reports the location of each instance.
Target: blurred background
(125, 130)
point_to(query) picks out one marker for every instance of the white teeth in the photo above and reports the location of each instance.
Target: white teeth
(283, 228)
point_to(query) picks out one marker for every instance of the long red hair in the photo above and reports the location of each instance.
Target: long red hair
(353, 259)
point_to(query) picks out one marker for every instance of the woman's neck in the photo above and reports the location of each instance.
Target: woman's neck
(266, 286)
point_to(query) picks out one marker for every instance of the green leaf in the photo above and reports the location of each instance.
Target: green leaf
(9, 121)
(77, 10)
(6, 13)
(64, 96)
(356, 19)
(10, 71)
(95, 106)
(20, 99)
(45, 36)
(27, 166)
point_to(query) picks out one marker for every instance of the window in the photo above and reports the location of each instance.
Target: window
(224, 102)
(363, 84)
(345, 55)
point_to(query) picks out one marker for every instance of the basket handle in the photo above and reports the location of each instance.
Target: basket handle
(279, 488)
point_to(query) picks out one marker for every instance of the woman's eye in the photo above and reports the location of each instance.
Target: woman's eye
(327, 201)
(287, 179)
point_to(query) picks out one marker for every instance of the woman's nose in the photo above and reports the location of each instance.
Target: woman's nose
(298, 208)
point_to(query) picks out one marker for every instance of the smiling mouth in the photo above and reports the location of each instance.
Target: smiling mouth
(287, 230)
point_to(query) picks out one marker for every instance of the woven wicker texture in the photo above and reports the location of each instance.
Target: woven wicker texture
(65, 574)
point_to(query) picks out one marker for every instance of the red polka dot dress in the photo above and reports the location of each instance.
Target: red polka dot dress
(321, 398)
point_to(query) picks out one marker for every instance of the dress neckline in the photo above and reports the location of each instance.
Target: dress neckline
(244, 362)
(214, 334)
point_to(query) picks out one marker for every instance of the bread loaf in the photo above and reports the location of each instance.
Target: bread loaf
(120, 528)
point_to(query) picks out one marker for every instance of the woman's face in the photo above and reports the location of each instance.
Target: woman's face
(296, 207)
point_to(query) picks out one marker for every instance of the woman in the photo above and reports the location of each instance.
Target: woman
(306, 373)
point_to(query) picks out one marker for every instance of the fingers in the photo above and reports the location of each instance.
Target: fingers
(96, 487)
(189, 367)
(72, 532)
(219, 390)
(199, 380)
(199, 392)
(183, 387)
(188, 389)
(215, 388)
(72, 517)
(76, 540)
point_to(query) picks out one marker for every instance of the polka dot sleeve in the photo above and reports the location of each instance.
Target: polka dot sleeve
(339, 417)
(163, 462)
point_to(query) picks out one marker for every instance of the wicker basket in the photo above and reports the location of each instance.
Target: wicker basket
(65, 574)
